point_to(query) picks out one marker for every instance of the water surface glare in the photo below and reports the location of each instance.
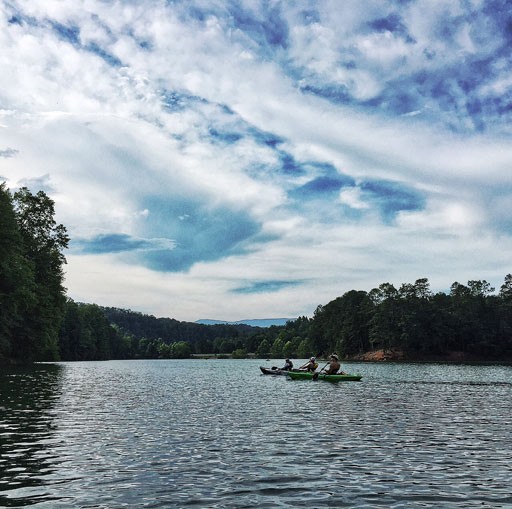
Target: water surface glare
(217, 433)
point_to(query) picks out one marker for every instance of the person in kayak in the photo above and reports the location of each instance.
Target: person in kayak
(288, 365)
(311, 365)
(334, 366)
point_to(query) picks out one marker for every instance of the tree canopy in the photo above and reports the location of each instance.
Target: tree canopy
(32, 296)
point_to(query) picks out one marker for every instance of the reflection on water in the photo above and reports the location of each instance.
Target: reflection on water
(218, 434)
(26, 431)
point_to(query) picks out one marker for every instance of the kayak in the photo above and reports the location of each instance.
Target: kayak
(268, 371)
(307, 375)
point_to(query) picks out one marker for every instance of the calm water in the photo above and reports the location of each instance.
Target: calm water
(216, 433)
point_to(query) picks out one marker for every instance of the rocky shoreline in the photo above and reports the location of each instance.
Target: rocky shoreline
(397, 355)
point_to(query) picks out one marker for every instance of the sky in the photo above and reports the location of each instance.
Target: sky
(257, 158)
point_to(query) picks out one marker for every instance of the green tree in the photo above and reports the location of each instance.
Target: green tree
(505, 316)
(263, 349)
(305, 348)
(288, 349)
(69, 337)
(475, 317)
(356, 310)
(164, 350)
(239, 353)
(224, 345)
(96, 339)
(181, 350)
(17, 284)
(506, 288)
(384, 324)
(278, 346)
(342, 324)
(416, 331)
(43, 243)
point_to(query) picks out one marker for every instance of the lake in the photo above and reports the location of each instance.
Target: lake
(217, 433)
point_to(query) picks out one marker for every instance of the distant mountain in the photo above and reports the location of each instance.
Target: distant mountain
(261, 322)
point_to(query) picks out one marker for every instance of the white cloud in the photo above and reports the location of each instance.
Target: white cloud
(352, 198)
(112, 147)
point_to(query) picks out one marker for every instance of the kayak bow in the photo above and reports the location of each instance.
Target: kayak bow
(268, 371)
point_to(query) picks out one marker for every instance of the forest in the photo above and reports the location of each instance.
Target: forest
(38, 322)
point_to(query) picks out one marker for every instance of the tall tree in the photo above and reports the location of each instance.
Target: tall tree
(17, 287)
(416, 316)
(43, 243)
(342, 324)
(506, 288)
(505, 315)
(384, 324)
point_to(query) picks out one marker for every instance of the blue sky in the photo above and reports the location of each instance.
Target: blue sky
(253, 159)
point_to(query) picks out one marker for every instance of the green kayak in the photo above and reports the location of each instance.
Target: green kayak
(306, 375)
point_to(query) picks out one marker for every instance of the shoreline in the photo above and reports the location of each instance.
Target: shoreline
(375, 356)
(397, 355)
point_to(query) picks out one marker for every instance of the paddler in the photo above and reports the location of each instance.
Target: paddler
(288, 365)
(311, 365)
(334, 366)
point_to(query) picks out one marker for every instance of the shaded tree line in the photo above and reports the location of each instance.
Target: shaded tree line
(32, 296)
(470, 320)
(91, 332)
(87, 335)
(218, 338)
(149, 337)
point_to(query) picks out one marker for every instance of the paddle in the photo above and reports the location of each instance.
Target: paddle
(324, 367)
(315, 375)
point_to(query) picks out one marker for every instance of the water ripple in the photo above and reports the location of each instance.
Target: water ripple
(217, 434)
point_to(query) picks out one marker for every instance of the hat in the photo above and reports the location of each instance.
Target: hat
(312, 359)
(334, 356)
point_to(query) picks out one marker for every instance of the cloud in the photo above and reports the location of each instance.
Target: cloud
(200, 233)
(36, 184)
(392, 23)
(9, 152)
(392, 198)
(415, 60)
(265, 286)
(234, 159)
(188, 233)
(118, 243)
(321, 187)
(267, 28)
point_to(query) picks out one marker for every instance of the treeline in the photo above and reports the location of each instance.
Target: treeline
(38, 322)
(471, 321)
(91, 332)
